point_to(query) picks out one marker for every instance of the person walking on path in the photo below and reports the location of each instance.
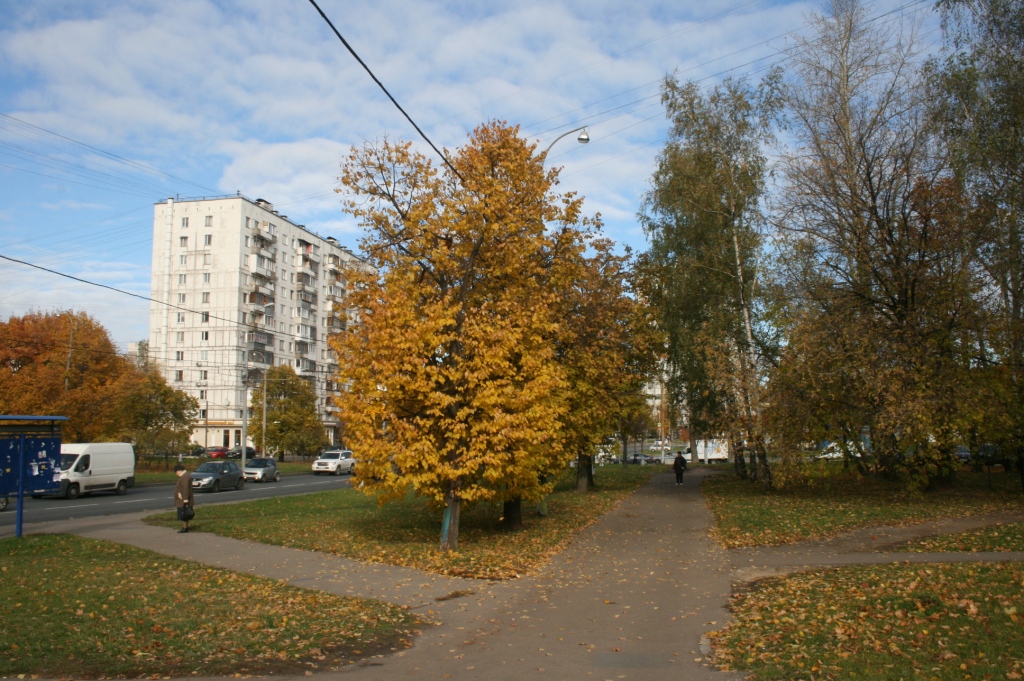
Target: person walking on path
(679, 465)
(183, 499)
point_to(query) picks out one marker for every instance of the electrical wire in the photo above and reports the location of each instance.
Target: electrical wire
(393, 100)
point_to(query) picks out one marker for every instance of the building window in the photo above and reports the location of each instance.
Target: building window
(179, 376)
(247, 238)
(179, 355)
(184, 222)
(245, 260)
(206, 297)
(206, 277)
(202, 394)
(247, 225)
(183, 241)
(280, 345)
(183, 260)
(209, 221)
(203, 375)
(202, 413)
(207, 259)
(204, 317)
(181, 299)
(208, 239)
(180, 336)
(182, 278)
(204, 355)
(181, 317)
(204, 335)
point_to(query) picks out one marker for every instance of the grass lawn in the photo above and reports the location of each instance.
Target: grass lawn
(155, 473)
(944, 621)
(84, 608)
(348, 523)
(746, 515)
(1004, 537)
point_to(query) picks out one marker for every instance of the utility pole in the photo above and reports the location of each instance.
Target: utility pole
(67, 365)
(245, 410)
(264, 439)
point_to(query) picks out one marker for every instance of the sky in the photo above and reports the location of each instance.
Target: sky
(108, 107)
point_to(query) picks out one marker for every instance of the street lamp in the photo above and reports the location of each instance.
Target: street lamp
(582, 139)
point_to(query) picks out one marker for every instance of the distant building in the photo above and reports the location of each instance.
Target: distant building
(240, 288)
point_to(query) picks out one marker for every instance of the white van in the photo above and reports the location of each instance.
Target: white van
(96, 467)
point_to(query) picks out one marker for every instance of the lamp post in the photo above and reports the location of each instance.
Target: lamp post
(583, 138)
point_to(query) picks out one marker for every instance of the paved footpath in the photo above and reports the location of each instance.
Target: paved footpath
(630, 598)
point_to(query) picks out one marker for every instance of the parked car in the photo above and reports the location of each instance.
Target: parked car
(659, 446)
(335, 462)
(217, 452)
(642, 459)
(236, 452)
(214, 476)
(3, 502)
(261, 470)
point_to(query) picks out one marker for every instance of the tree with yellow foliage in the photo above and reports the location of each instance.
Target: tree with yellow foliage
(451, 378)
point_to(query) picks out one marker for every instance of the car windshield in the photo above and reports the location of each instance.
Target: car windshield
(209, 467)
(258, 463)
(331, 455)
(67, 461)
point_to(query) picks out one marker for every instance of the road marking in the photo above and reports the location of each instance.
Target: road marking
(80, 506)
(134, 501)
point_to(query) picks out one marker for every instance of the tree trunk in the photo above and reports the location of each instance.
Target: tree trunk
(512, 514)
(625, 449)
(693, 447)
(450, 524)
(584, 477)
(739, 461)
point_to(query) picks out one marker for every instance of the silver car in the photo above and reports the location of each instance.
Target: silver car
(262, 470)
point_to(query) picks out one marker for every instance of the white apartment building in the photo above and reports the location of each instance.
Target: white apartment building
(240, 288)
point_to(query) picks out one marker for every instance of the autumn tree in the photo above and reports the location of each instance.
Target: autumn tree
(62, 363)
(152, 415)
(977, 98)
(293, 422)
(877, 248)
(703, 218)
(449, 380)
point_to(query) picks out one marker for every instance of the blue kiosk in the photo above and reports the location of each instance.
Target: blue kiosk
(29, 458)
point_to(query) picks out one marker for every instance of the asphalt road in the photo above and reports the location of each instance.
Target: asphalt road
(158, 498)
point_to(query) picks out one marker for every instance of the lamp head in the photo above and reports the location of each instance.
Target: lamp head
(583, 138)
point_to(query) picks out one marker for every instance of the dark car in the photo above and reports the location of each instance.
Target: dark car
(217, 452)
(261, 470)
(213, 476)
(642, 459)
(236, 452)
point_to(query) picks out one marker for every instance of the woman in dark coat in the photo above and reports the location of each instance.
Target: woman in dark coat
(183, 499)
(679, 465)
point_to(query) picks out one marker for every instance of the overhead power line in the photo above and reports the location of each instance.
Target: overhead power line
(393, 100)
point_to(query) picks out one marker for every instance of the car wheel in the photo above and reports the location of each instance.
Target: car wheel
(240, 484)
(122, 488)
(72, 492)
(3, 503)
(216, 486)
(277, 476)
(337, 470)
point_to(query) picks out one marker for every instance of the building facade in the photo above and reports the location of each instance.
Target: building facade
(238, 288)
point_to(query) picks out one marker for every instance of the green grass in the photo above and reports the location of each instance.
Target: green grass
(84, 608)
(747, 515)
(348, 523)
(945, 621)
(152, 473)
(1002, 537)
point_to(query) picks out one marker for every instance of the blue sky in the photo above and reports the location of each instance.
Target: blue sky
(196, 97)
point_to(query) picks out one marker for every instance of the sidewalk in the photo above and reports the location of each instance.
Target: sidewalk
(630, 598)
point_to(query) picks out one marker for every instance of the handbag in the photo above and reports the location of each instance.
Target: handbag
(187, 512)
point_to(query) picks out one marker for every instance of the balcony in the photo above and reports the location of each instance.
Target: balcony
(336, 324)
(265, 358)
(260, 233)
(261, 249)
(307, 367)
